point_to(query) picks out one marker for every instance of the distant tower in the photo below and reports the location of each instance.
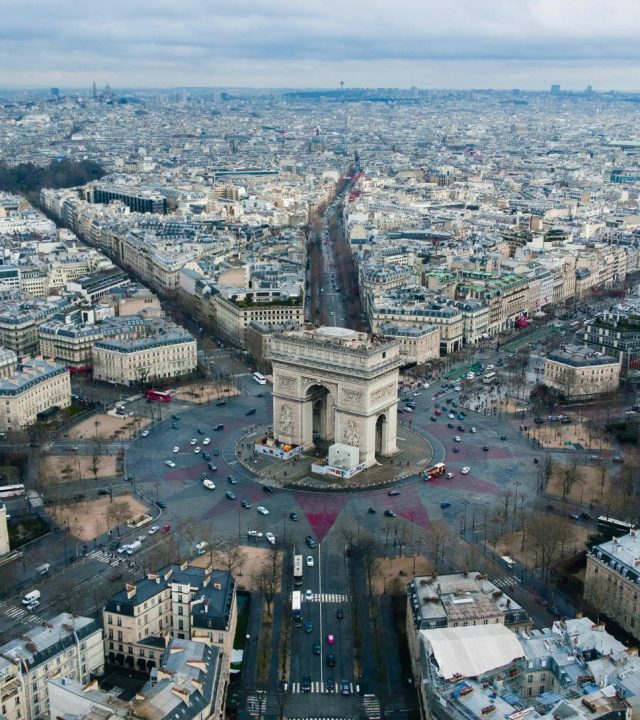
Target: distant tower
(94, 91)
(341, 84)
(555, 89)
(55, 93)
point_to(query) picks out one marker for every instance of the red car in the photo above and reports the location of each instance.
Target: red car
(330, 639)
(166, 529)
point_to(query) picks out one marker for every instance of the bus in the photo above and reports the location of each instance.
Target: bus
(489, 378)
(612, 526)
(297, 570)
(158, 395)
(436, 471)
(296, 607)
(9, 491)
(260, 379)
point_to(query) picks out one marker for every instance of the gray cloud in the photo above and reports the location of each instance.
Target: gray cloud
(314, 42)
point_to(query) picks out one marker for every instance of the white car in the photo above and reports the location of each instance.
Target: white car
(450, 475)
(209, 484)
(457, 438)
(144, 433)
(122, 549)
(465, 470)
(196, 449)
(310, 562)
(262, 510)
(170, 463)
(33, 605)
(176, 449)
(154, 529)
(206, 441)
(193, 441)
(473, 429)
(270, 537)
(255, 534)
(308, 594)
(457, 388)
(141, 538)
(490, 367)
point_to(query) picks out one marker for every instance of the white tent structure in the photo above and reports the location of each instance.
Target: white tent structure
(471, 651)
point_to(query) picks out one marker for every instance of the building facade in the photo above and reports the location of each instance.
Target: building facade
(578, 372)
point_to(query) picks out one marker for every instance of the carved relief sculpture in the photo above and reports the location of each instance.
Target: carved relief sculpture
(286, 420)
(352, 434)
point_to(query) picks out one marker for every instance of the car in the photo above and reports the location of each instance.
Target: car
(212, 467)
(617, 458)
(305, 685)
(503, 437)
(330, 684)
(330, 639)
(433, 418)
(294, 516)
(271, 538)
(445, 505)
(104, 491)
(113, 545)
(165, 529)
(308, 626)
(535, 461)
(250, 411)
(200, 431)
(232, 479)
(196, 450)
(116, 576)
(231, 495)
(267, 488)
(389, 513)
(206, 441)
(449, 475)
(246, 504)
(174, 426)
(219, 427)
(457, 388)
(315, 649)
(161, 504)
(310, 562)
(255, 534)
(144, 433)
(574, 516)
(310, 541)
(456, 449)
(408, 409)
(473, 430)
(538, 421)
(457, 438)
(450, 425)
(141, 538)
(175, 417)
(33, 605)
(122, 549)
(153, 529)
(461, 416)
(461, 428)
(485, 448)
(465, 470)
(209, 484)
(372, 511)
(170, 463)
(206, 456)
(452, 416)
(437, 412)
(585, 516)
(215, 452)
(193, 441)
(393, 492)
(339, 613)
(220, 403)
(308, 594)
(331, 659)
(345, 687)
(262, 510)
(259, 394)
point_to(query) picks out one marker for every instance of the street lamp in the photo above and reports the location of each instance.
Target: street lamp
(517, 483)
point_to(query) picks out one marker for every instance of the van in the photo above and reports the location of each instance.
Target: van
(219, 427)
(43, 569)
(134, 547)
(31, 597)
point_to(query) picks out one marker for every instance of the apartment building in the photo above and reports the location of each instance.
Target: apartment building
(67, 645)
(612, 581)
(37, 389)
(616, 333)
(8, 362)
(187, 685)
(159, 357)
(99, 284)
(19, 322)
(418, 344)
(235, 310)
(577, 372)
(179, 601)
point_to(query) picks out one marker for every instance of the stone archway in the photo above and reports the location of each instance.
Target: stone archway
(335, 385)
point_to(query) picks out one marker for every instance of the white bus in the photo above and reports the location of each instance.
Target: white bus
(297, 570)
(260, 379)
(9, 491)
(296, 607)
(489, 378)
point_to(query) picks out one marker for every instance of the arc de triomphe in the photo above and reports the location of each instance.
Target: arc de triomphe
(338, 385)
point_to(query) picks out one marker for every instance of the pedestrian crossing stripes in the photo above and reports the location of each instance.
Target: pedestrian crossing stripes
(328, 598)
(318, 687)
(105, 557)
(506, 582)
(245, 374)
(17, 613)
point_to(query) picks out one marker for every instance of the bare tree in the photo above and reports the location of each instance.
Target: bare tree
(269, 576)
(549, 533)
(568, 477)
(227, 554)
(118, 512)
(370, 558)
(548, 466)
(95, 463)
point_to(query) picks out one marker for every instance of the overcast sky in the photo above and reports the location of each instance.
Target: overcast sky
(317, 43)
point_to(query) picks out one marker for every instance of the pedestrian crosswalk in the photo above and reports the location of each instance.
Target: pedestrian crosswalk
(112, 559)
(332, 717)
(16, 613)
(506, 583)
(328, 598)
(318, 687)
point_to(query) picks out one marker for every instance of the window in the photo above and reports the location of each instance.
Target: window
(529, 678)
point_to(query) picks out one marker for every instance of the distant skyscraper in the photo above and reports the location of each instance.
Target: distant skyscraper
(555, 89)
(55, 92)
(589, 90)
(94, 91)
